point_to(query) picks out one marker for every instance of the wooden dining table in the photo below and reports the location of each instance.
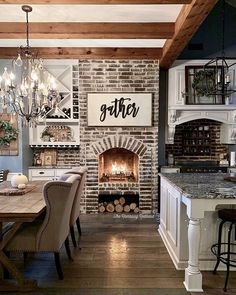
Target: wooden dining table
(17, 209)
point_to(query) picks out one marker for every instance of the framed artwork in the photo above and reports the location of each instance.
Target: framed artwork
(49, 157)
(119, 109)
(9, 141)
(48, 160)
(196, 86)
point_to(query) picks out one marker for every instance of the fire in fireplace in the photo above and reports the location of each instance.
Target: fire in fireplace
(118, 165)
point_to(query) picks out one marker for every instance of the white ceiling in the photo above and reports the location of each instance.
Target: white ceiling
(126, 43)
(90, 13)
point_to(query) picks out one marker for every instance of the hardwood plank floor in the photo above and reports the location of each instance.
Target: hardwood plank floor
(117, 256)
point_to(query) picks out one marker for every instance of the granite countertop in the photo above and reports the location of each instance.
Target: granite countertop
(202, 185)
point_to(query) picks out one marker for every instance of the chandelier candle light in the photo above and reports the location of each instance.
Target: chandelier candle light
(28, 88)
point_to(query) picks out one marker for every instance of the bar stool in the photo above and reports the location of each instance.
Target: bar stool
(225, 256)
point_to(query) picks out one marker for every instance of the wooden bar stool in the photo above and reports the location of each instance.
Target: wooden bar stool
(226, 256)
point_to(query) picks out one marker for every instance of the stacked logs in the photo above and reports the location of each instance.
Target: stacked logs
(118, 206)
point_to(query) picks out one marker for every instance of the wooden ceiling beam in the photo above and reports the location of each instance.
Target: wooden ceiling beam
(52, 30)
(48, 2)
(87, 53)
(189, 20)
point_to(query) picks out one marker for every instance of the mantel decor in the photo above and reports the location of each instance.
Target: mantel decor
(119, 109)
(197, 89)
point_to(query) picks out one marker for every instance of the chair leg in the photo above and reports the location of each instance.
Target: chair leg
(25, 256)
(6, 274)
(228, 257)
(72, 233)
(58, 265)
(219, 246)
(78, 226)
(68, 249)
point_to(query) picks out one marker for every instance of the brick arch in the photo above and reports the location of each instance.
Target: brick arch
(120, 141)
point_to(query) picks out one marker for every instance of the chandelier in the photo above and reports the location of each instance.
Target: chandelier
(28, 88)
(216, 73)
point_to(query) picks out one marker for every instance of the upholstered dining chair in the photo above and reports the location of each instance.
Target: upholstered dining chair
(49, 234)
(75, 212)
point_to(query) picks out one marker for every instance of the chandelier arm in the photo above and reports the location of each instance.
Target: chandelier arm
(29, 95)
(27, 29)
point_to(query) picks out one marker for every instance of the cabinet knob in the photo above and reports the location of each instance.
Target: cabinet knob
(41, 172)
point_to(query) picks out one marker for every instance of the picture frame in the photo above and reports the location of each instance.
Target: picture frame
(49, 157)
(195, 86)
(48, 160)
(119, 109)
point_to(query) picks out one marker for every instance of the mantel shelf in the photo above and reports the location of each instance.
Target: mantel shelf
(203, 107)
(57, 144)
(59, 121)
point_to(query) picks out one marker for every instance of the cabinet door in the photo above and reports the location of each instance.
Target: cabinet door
(163, 205)
(41, 174)
(170, 170)
(228, 133)
(172, 215)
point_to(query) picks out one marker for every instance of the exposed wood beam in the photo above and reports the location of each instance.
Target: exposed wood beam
(189, 20)
(88, 30)
(85, 53)
(96, 2)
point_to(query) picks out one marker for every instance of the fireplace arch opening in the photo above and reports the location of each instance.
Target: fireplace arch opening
(118, 165)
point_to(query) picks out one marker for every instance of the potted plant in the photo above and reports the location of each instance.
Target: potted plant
(46, 135)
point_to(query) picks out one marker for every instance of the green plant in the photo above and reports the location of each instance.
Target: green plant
(9, 133)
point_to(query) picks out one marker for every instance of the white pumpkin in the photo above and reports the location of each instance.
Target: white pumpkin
(18, 179)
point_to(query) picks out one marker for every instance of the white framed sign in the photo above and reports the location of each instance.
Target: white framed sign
(119, 109)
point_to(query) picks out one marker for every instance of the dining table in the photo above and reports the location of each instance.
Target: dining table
(17, 206)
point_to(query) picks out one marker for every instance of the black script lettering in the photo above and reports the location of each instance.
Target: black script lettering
(117, 108)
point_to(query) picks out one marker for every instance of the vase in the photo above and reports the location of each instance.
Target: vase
(18, 179)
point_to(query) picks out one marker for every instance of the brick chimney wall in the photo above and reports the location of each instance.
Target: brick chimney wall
(119, 76)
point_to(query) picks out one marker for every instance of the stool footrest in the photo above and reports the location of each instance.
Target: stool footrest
(223, 254)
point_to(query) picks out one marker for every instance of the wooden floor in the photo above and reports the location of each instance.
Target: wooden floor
(118, 256)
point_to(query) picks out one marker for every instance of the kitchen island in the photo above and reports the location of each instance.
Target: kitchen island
(188, 220)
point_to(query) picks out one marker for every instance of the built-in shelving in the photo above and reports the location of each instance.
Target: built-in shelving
(66, 115)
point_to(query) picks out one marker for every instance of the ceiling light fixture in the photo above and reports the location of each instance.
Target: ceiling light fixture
(217, 75)
(28, 88)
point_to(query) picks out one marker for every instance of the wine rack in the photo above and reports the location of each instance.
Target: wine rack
(196, 141)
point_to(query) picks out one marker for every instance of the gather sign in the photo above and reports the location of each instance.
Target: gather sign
(119, 109)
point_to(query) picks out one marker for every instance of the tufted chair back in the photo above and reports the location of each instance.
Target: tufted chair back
(82, 171)
(59, 197)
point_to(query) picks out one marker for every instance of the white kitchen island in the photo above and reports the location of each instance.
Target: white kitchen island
(188, 220)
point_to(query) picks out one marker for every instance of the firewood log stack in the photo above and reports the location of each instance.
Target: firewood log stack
(118, 206)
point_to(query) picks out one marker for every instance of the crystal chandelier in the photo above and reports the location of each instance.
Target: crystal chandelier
(28, 88)
(217, 74)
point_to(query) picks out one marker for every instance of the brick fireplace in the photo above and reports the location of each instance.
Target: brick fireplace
(131, 151)
(118, 165)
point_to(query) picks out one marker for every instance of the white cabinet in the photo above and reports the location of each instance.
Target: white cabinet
(46, 173)
(231, 170)
(170, 170)
(173, 228)
(179, 112)
(59, 127)
(228, 133)
(173, 224)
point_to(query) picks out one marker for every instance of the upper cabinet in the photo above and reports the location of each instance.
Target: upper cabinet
(60, 126)
(185, 85)
(185, 102)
